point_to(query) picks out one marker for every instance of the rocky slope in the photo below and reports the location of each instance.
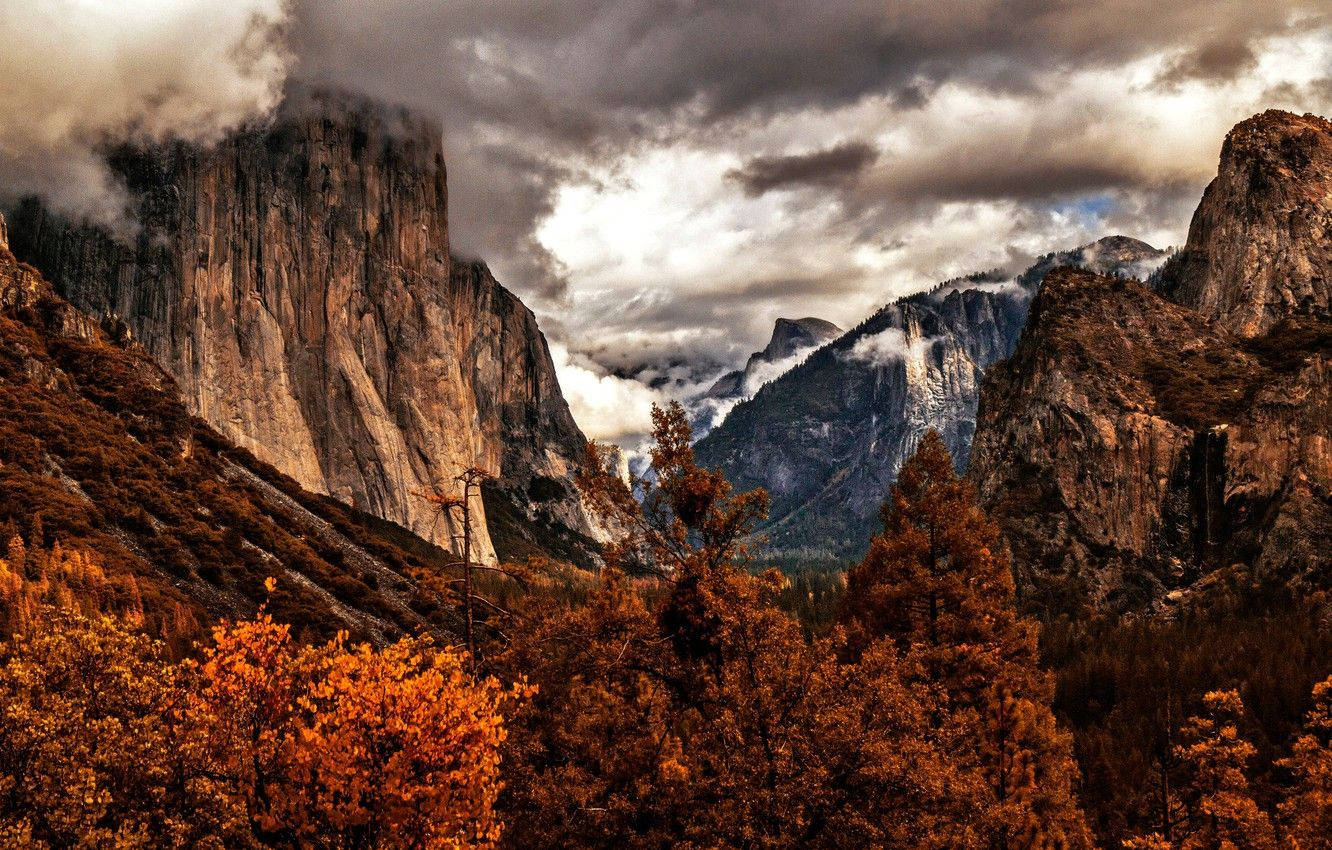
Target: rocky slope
(98, 454)
(1135, 449)
(1260, 244)
(1130, 446)
(296, 281)
(826, 439)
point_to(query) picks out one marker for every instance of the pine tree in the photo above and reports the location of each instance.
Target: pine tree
(1307, 812)
(683, 708)
(937, 582)
(1221, 811)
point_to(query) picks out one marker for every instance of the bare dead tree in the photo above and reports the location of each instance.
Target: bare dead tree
(471, 480)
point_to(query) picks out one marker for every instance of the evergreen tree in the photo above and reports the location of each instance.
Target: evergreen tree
(938, 583)
(1307, 812)
(1221, 812)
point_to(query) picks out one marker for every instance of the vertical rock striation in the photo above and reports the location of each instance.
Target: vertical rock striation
(1135, 450)
(296, 281)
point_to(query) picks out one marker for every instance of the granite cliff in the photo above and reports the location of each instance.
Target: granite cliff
(1136, 448)
(827, 438)
(1260, 244)
(99, 455)
(296, 281)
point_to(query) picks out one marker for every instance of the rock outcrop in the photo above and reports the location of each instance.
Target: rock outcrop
(1260, 244)
(790, 338)
(827, 438)
(1131, 447)
(296, 282)
(1135, 448)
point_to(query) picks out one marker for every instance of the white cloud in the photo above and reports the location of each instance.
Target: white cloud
(605, 406)
(73, 72)
(889, 346)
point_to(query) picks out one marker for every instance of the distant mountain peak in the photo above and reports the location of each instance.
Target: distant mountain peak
(827, 437)
(789, 335)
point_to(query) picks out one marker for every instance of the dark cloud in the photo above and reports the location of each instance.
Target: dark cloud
(595, 78)
(1215, 61)
(822, 168)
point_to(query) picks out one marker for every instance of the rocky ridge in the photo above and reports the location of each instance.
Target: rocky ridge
(827, 438)
(790, 338)
(1136, 447)
(1260, 243)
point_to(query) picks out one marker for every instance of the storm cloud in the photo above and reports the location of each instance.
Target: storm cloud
(660, 179)
(73, 76)
(826, 167)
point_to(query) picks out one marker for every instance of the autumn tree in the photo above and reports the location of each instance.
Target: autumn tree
(937, 583)
(683, 708)
(1307, 812)
(98, 747)
(339, 746)
(260, 742)
(1220, 810)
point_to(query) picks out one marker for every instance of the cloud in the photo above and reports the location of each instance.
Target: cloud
(616, 161)
(820, 168)
(889, 346)
(1216, 61)
(536, 94)
(606, 406)
(77, 74)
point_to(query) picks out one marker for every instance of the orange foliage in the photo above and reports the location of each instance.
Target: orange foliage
(338, 746)
(1307, 813)
(937, 584)
(261, 742)
(707, 719)
(1220, 810)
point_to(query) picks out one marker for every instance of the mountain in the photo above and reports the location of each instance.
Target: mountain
(827, 438)
(791, 338)
(98, 454)
(1136, 448)
(296, 281)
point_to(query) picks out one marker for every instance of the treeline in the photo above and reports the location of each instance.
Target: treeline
(673, 700)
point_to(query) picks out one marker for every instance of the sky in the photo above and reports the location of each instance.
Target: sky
(661, 179)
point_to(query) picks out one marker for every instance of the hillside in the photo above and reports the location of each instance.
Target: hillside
(98, 453)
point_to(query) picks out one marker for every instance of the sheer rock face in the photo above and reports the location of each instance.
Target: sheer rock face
(1260, 245)
(296, 281)
(827, 438)
(1131, 447)
(1134, 449)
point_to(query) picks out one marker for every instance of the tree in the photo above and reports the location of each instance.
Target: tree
(1221, 812)
(1307, 812)
(937, 583)
(260, 742)
(354, 747)
(470, 479)
(98, 747)
(683, 708)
